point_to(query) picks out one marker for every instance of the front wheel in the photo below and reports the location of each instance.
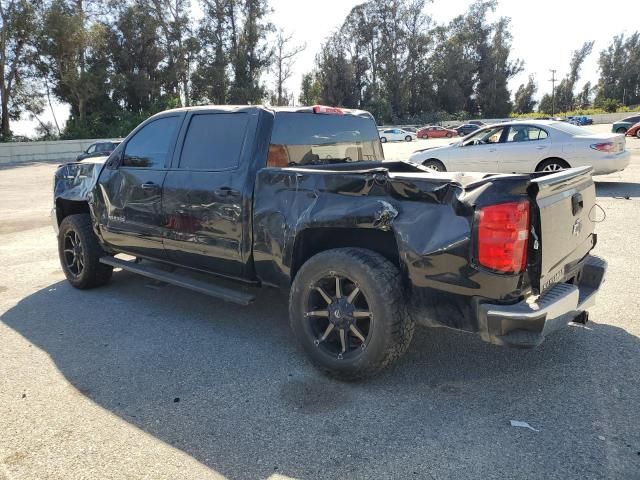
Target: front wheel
(80, 253)
(449, 135)
(621, 130)
(436, 165)
(638, 133)
(348, 311)
(383, 139)
(408, 138)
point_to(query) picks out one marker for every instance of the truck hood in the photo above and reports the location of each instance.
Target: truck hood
(75, 181)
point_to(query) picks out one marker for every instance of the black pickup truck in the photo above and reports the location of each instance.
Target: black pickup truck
(301, 199)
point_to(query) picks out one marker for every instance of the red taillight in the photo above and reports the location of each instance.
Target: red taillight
(327, 110)
(503, 234)
(607, 147)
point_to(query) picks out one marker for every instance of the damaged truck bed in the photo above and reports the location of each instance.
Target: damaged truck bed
(301, 199)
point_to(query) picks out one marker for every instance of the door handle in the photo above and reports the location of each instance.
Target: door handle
(492, 149)
(540, 147)
(150, 186)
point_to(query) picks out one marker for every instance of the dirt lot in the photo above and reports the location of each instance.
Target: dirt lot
(137, 380)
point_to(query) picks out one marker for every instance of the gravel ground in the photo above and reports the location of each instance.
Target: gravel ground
(136, 380)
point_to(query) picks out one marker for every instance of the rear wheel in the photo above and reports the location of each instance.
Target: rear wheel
(347, 310)
(80, 253)
(434, 164)
(408, 138)
(383, 139)
(621, 130)
(552, 165)
(638, 133)
(449, 135)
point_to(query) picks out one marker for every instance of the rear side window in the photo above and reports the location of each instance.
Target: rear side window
(214, 141)
(149, 147)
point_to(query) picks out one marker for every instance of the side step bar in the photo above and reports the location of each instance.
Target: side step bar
(224, 293)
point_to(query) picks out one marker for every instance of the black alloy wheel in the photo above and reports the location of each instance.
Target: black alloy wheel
(73, 253)
(339, 316)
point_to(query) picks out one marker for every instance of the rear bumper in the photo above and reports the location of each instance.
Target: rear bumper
(611, 163)
(525, 324)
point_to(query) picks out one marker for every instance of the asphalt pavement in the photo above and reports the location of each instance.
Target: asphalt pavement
(140, 380)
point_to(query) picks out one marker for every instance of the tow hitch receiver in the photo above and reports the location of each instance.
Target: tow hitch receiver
(582, 318)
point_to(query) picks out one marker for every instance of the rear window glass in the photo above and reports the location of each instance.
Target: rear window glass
(214, 141)
(315, 139)
(571, 129)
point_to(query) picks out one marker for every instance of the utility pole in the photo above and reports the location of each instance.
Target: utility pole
(553, 92)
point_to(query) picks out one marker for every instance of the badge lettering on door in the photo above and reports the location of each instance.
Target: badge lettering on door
(577, 227)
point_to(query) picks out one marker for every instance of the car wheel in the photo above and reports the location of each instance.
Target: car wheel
(408, 138)
(80, 253)
(347, 309)
(434, 164)
(638, 133)
(449, 135)
(621, 130)
(552, 165)
(383, 139)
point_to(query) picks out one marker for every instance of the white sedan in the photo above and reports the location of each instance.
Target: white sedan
(396, 134)
(524, 147)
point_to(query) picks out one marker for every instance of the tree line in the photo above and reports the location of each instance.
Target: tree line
(114, 62)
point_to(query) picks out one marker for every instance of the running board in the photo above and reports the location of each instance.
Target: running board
(223, 293)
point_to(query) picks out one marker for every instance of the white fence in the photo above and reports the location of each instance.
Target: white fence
(59, 150)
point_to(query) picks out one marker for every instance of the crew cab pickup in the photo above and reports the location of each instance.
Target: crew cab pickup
(301, 199)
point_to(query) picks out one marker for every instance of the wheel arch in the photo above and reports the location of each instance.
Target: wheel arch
(312, 241)
(561, 160)
(65, 207)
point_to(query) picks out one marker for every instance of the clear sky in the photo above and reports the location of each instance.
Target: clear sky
(544, 33)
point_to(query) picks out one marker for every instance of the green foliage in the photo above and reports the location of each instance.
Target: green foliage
(523, 100)
(18, 32)
(579, 111)
(609, 104)
(388, 58)
(620, 70)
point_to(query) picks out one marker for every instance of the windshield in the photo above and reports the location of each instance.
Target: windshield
(571, 129)
(301, 138)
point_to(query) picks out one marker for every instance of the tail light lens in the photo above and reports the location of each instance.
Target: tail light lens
(503, 235)
(607, 147)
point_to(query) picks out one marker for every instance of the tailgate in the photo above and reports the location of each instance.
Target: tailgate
(563, 227)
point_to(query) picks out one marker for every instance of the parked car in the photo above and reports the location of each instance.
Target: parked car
(580, 120)
(436, 131)
(623, 125)
(99, 149)
(479, 123)
(634, 130)
(298, 199)
(466, 129)
(534, 146)
(396, 135)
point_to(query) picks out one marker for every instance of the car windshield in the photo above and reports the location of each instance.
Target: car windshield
(571, 129)
(301, 138)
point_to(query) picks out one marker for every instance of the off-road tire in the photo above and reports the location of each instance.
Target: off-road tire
(391, 328)
(93, 273)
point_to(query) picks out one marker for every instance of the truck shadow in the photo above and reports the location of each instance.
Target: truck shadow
(620, 190)
(228, 386)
